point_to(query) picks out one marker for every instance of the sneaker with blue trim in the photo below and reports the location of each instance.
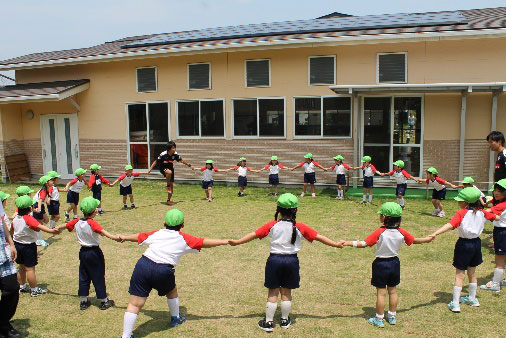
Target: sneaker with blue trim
(285, 323)
(265, 325)
(377, 322)
(468, 301)
(503, 282)
(36, 292)
(392, 320)
(454, 307)
(177, 321)
(25, 289)
(42, 243)
(491, 286)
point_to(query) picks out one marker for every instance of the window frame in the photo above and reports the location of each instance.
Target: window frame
(321, 137)
(257, 136)
(246, 73)
(200, 119)
(309, 70)
(148, 142)
(405, 67)
(137, 80)
(188, 75)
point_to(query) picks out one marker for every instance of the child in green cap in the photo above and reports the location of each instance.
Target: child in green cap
(208, 171)
(54, 198)
(469, 222)
(125, 185)
(74, 188)
(155, 269)
(4, 217)
(41, 199)
(282, 268)
(309, 173)
(401, 176)
(274, 168)
(468, 182)
(91, 258)
(95, 185)
(386, 268)
(242, 172)
(368, 170)
(439, 192)
(340, 169)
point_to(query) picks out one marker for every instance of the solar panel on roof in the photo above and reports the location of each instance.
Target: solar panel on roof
(306, 26)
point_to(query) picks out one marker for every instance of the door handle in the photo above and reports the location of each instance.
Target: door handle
(76, 151)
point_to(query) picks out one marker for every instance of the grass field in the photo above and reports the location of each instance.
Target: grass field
(221, 289)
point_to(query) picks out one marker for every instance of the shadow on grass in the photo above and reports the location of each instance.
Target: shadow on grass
(22, 325)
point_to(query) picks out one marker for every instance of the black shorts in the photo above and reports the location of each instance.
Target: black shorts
(207, 184)
(368, 182)
(386, 272)
(273, 179)
(401, 189)
(439, 195)
(282, 271)
(500, 241)
(162, 171)
(149, 275)
(341, 179)
(242, 181)
(27, 254)
(97, 194)
(39, 215)
(467, 253)
(73, 197)
(310, 178)
(123, 191)
(53, 208)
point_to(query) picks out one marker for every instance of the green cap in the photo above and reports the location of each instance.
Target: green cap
(308, 155)
(391, 209)
(467, 180)
(23, 190)
(129, 167)
(89, 204)
(209, 162)
(80, 171)
(501, 183)
(4, 196)
(44, 179)
(242, 159)
(95, 167)
(288, 201)
(339, 158)
(53, 174)
(399, 163)
(366, 159)
(174, 217)
(433, 170)
(469, 195)
(274, 158)
(25, 201)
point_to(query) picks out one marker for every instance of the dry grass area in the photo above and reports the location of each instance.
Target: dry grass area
(221, 289)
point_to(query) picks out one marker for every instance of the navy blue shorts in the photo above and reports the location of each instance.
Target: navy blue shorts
(149, 275)
(439, 195)
(242, 181)
(341, 179)
(368, 182)
(53, 208)
(27, 254)
(282, 271)
(310, 178)
(467, 253)
(123, 191)
(207, 184)
(162, 171)
(401, 189)
(500, 241)
(39, 215)
(386, 272)
(274, 179)
(73, 197)
(97, 194)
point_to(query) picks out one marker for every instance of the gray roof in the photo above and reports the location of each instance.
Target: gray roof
(40, 89)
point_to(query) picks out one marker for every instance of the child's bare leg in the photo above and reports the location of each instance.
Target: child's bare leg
(170, 189)
(304, 187)
(313, 188)
(210, 192)
(31, 277)
(380, 302)
(131, 196)
(393, 299)
(276, 189)
(124, 199)
(45, 219)
(21, 275)
(272, 304)
(435, 204)
(241, 189)
(286, 302)
(440, 204)
(270, 188)
(207, 193)
(457, 287)
(134, 306)
(74, 209)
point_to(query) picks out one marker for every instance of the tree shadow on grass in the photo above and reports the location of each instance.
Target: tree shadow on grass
(22, 325)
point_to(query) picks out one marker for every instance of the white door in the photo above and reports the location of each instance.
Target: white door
(60, 143)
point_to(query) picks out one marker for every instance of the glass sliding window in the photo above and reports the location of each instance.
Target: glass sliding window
(137, 123)
(211, 118)
(200, 118)
(323, 116)
(380, 156)
(308, 116)
(188, 118)
(245, 117)
(407, 120)
(337, 116)
(410, 156)
(377, 120)
(158, 122)
(271, 117)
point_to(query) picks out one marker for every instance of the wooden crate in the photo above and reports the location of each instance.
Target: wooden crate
(17, 168)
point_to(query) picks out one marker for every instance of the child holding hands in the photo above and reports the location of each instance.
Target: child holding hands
(309, 174)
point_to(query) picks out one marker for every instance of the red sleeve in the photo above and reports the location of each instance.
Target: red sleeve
(373, 168)
(300, 165)
(236, 167)
(143, 236)
(74, 181)
(333, 167)
(362, 167)
(315, 163)
(347, 167)
(427, 181)
(50, 190)
(202, 169)
(457, 219)
(215, 170)
(489, 216)
(31, 222)
(263, 231)
(135, 174)
(70, 225)
(268, 166)
(498, 209)
(281, 166)
(307, 232)
(43, 195)
(122, 177)
(92, 181)
(440, 181)
(373, 238)
(95, 226)
(408, 238)
(391, 173)
(193, 242)
(249, 169)
(103, 179)
(406, 174)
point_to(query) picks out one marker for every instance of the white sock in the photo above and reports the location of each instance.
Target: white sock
(497, 275)
(39, 236)
(286, 306)
(472, 290)
(103, 300)
(83, 299)
(341, 192)
(392, 314)
(270, 310)
(51, 223)
(456, 294)
(380, 317)
(364, 198)
(128, 324)
(400, 201)
(370, 198)
(173, 304)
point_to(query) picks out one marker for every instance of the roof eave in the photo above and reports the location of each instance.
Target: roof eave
(421, 88)
(46, 97)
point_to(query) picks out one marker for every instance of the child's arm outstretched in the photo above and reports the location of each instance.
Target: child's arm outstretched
(442, 230)
(321, 167)
(329, 242)
(49, 230)
(210, 243)
(248, 238)
(108, 235)
(114, 183)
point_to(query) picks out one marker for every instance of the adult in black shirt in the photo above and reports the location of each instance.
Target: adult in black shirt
(166, 165)
(496, 143)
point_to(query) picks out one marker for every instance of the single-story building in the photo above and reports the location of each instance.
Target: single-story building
(422, 87)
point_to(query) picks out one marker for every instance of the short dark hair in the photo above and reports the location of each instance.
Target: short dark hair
(170, 144)
(392, 222)
(175, 227)
(499, 187)
(24, 211)
(87, 215)
(496, 136)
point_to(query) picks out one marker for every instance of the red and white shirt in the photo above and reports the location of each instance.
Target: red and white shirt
(25, 229)
(389, 241)
(242, 171)
(308, 166)
(438, 183)
(168, 246)
(281, 236)
(500, 210)
(401, 177)
(274, 169)
(97, 180)
(76, 185)
(54, 193)
(125, 180)
(340, 169)
(470, 224)
(207, 174)
(87, 231)
(369, 171)
(40, 195)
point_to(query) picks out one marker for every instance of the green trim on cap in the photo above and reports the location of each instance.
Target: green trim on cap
(339, 158)
(469, 195)
(288, 201)
(174, 217)
(274, 158)
(23, 202)
(89, 205)
(501, 183)
(44, 179)
(433, 171)
(80, 171)
(390, 209)
(95, 167)
(23, 190)
(129, 167)
(53, 174)
(399, 163)
(467, 180)
(242, 159)
(366, 159)
(4, 196)
(209, 162)
(308, 155)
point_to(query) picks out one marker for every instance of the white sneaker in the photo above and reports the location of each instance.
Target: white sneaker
(441, 214)
(454, 307)
(491, 286)
(503, 282)
(435, 212)
(302, 195)
(313, 195)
